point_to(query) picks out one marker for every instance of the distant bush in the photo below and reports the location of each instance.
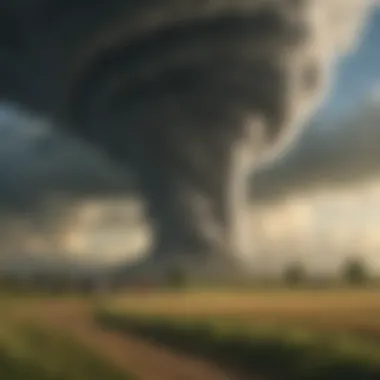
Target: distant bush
(355, 272)
(49, 283)
(295, 274)
(177, 278)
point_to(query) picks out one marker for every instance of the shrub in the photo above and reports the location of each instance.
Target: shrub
(295, 274)
(355, 272)
(177, 278)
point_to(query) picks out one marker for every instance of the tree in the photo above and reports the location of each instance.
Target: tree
(177, 278)
(355, 272)
(295, 274)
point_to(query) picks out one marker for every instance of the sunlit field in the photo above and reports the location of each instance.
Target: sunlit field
(344, 310)
(262, 334)
(284, 334)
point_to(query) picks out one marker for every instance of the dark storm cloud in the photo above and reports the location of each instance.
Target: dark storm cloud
(184, 93)
(339, 154)
(38, 164)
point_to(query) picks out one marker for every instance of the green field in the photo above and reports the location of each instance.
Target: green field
(280, 334)
(266, 334)
(31, 351)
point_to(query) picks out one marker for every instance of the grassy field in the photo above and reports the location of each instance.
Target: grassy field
(282, 334)
(351, 311)
(263, 334)
(34, 352)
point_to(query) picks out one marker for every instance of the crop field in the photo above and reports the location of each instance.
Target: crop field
(327, 310)
(193, 335)
(284, 334)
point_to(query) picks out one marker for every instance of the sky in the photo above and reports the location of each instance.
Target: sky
(358, 75)
(317, 160)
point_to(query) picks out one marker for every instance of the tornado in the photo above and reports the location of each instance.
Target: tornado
(188, 95)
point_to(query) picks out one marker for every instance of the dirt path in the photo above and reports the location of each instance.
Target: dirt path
(146, 360)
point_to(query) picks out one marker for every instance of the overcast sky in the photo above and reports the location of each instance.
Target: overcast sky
(340, 147)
